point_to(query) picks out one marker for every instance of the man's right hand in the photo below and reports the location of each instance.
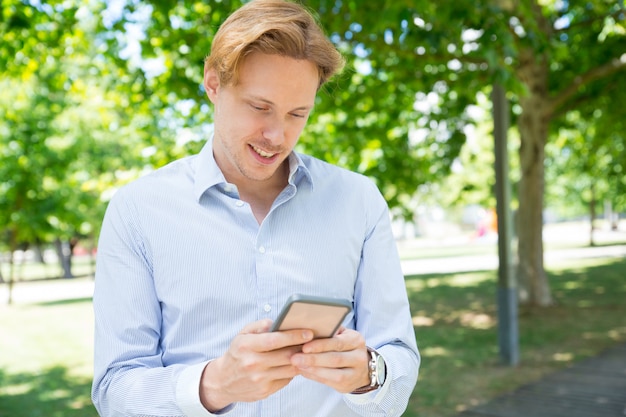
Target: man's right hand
(256, 365)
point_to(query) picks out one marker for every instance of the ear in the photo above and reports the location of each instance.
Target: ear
(211, 84)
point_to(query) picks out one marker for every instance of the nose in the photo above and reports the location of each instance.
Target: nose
(274, 130)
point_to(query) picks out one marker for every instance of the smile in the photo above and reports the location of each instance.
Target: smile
(262, 152)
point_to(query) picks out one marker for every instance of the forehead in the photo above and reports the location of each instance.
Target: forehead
(276, 77)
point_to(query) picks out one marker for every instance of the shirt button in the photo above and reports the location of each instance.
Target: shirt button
(239, 203)
(267, 308)
(262, 249)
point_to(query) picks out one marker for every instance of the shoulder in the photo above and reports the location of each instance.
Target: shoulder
(165, 182)
(326, 174)
(346, 188)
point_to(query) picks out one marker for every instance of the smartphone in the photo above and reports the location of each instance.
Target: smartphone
(323, 315)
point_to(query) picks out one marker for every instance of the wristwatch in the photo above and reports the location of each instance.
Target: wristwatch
(377, 372)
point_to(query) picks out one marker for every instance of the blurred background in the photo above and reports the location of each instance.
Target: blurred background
(94, 94)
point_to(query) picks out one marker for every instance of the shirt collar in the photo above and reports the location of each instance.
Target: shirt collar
(207, 173)
(298, 171)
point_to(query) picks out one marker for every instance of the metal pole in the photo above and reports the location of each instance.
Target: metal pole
(508, 338)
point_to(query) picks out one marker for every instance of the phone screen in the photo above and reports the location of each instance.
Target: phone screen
(320, 314)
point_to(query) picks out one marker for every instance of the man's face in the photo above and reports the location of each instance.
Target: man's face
(259, 120)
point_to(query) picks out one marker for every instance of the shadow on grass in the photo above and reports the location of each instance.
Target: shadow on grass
(455, 323)
(50, 393)
(455, 315)
(443, 299)
(67, 301)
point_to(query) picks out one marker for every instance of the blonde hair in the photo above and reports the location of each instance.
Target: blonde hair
(271, 27)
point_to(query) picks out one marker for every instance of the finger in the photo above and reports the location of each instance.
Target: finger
(286, 338)
(261, 326)
(256, 338)
(356, 359)
(321, 360)
(342, 342)
(343, 380)
(343, 371)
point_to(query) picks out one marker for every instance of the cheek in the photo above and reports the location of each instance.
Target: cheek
(295, 130)
(239, 123)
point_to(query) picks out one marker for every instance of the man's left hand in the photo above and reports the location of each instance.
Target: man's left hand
(341, 362)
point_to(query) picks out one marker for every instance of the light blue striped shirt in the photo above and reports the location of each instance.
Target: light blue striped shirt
(183, 266)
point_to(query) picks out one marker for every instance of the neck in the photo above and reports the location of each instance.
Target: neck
(261, 194)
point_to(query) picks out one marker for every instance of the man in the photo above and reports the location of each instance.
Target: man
(196, 259)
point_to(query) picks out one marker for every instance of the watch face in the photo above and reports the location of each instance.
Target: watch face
(381, 370)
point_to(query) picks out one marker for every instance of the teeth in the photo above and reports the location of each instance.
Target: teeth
(262, 152)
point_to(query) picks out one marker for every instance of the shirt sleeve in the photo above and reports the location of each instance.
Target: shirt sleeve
(383, 317)
(129, 376)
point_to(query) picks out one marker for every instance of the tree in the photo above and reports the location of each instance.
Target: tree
(399, 112)
(554, 58)
(585, 166)
(60, 128)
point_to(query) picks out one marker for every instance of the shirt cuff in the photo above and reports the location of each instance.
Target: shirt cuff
(188, 393)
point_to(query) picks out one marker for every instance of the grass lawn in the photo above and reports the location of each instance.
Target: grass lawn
(46, 360)
(46, 348)
(456, 330)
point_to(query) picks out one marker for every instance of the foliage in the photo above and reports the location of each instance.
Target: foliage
(118, 86)
(588, 162)
(60, 130)
(36, 198)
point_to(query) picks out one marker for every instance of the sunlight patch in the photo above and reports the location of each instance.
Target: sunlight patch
(469, 280)
(434, 351)
(563, 356)
(573, 285)
(55, 394)
(80, 403)
(414, 285)
(15, 389)
(477, 320)
(423, 321)
(616, 334)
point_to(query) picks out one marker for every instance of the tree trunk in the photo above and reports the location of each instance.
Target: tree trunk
(611, 218)
(38, 251)
(11, 280)
(64, 252)
(533, 125)
(592, 214)
(11, 277)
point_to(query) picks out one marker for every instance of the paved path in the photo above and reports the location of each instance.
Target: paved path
(490, 262)
(28, 292)
(595, 387)
(76, 288)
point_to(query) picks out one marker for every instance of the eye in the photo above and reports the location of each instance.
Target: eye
(258, 108)
(299, 116)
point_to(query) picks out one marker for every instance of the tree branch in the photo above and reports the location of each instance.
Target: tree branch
(589, 21)
(611, 67)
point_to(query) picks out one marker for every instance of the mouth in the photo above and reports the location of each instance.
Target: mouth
(262, 153)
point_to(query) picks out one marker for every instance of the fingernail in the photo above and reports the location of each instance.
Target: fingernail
(307, 335)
